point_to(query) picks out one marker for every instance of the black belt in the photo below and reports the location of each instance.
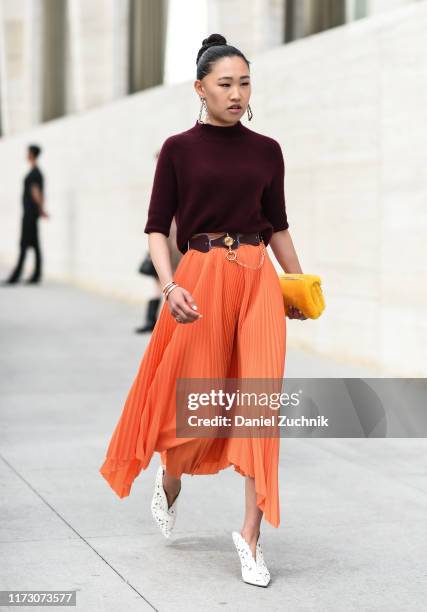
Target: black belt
(228, 240)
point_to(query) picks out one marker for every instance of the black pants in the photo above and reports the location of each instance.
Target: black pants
(29, 238)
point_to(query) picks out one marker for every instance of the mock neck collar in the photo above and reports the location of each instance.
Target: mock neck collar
(224, 131)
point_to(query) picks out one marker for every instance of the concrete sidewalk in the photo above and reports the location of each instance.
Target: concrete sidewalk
(353, 535)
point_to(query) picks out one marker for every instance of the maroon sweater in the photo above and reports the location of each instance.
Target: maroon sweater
(218, 178)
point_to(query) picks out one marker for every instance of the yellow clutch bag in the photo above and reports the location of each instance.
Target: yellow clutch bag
(303, 291)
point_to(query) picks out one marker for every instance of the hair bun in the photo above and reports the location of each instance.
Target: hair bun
(214, 39)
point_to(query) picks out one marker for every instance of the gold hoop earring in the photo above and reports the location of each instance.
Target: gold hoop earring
(250, 113)
(203, 106)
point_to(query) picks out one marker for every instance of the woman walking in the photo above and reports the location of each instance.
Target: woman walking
(223, 315)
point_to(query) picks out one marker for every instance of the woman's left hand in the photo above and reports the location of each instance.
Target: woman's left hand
(294, 313)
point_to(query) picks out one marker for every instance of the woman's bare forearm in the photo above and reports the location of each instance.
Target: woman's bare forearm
(284, 251)
(161, 257)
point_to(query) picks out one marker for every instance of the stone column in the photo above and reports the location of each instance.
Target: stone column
(147, 43)
(297, 19)
(324, 15)
(355, 9)
(98, 52)
(252, 26)
(54, 74)
(21, 64)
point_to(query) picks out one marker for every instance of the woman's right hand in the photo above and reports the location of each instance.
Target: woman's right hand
(182, 305)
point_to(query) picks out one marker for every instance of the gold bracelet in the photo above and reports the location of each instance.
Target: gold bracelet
(167, 285)
(170, 291)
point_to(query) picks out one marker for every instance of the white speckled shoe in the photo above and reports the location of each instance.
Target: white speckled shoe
(253, 571)
(260, 559)
(165, 517)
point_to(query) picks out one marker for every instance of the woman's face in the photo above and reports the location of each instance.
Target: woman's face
(226, 85)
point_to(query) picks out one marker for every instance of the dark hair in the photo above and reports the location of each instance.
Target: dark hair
(34, 150)
(214, 48)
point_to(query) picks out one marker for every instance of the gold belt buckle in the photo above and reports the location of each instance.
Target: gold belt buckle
(228, 240)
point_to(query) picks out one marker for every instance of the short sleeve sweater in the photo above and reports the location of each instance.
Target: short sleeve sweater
(218, 178)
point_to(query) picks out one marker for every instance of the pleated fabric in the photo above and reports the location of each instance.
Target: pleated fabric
(242, 335)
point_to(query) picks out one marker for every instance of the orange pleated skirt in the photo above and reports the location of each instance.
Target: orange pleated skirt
(242, 334)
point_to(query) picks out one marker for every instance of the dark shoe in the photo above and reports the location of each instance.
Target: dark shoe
(152, 308)
(10, 281)
(32, 281)
(144, 329)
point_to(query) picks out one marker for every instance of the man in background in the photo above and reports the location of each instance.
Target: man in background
(33, 208)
